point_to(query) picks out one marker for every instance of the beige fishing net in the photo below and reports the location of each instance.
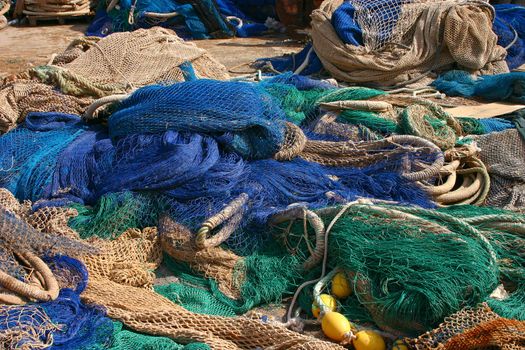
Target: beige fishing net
(20, 97)
(503, 153)
(438, 34)
(213, 262)
(121, 278)
(126, 61)
(473, 328)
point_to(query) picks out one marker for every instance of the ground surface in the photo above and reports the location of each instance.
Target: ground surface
(24, 47)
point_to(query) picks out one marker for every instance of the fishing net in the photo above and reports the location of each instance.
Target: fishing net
(510, 28)
(247, 112)
(124, 339)
(389, 280)
(503, 152)
(123, 62)
(190, 19)
(418, 47)
(21, 97)
(120, 280)
(23, 274)
(499, 87)
(114, 213)
(473, 328)
(81, 163)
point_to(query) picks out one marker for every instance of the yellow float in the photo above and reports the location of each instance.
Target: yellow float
(335, 326)
(328, 300)
(340, 286)
(368, 340)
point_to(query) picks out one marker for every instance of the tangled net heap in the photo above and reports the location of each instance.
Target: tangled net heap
(123, 62)
(176, 215)
(93, 67)
(403, 41)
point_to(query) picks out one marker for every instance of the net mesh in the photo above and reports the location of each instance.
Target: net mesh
(123, 62)
(21, 97)
(427, 36)
(386, 21)
(473, 328)
(503, 153)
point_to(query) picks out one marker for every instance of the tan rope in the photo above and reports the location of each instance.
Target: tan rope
(315, 222)
(90, 111)
(232, 210)
(28, 291)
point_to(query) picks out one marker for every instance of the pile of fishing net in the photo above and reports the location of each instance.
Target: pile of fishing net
(126, 61)
(190, 19)
(393, 43)
(93, 67)
(241, 153)
(403, 42)
(54, 8)
(157, 209)
(403, 299)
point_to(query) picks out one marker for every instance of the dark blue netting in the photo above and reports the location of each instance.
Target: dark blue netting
(188, 24)
(300, 82)
(194, 172)
(345, 25)
(509, 25)
(64, 323)
(251, 10)
(244, 115)
(253, 14)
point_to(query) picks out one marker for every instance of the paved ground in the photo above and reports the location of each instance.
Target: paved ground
(24, 47)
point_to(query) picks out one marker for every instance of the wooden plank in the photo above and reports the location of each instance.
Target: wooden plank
(485, 110)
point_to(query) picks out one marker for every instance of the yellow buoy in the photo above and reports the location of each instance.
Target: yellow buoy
(340, 287)
(329, 302)
(368, 340)
(399, 345)
(335, 326)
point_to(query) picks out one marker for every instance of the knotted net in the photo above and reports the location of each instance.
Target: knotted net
(422, 36)
(473, 328)
(123, 62)
(503, 153)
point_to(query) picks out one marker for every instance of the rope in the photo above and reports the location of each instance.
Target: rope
(325, 258)
(298, 212)
(29, 291)
(90, 111)
(232, 210)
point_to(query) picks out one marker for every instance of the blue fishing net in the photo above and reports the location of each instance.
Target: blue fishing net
(64, 323)
(196, 175)
(496, 124)
(253, 14)
(500, 87)
(243, 113)
(130, 15)
(199, 145)
(290, 63)
(345, 25)
(509, 25)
